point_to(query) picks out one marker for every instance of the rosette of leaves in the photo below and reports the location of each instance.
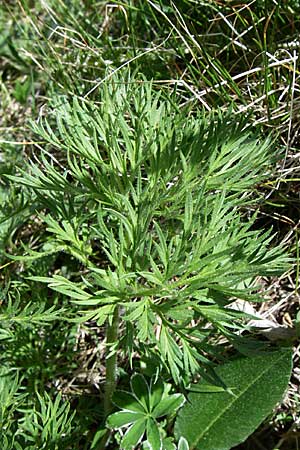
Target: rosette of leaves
(140, 411)
(150, 199)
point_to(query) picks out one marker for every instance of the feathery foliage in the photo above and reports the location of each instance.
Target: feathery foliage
(149, 199)
(126, 225)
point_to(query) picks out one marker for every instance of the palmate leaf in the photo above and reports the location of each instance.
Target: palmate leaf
(140, 410)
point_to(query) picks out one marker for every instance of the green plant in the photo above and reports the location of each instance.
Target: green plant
(140, 410)
(232, 55)
(149, 200)
(29, 424)
(215, 421)
(48, 425)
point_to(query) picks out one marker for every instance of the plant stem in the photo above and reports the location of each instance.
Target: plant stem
(111, 372)
(111, 361)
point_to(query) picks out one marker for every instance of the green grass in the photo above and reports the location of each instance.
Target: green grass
(213, 56)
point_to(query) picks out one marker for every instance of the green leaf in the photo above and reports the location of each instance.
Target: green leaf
(170, 352)
(168, 444)
(156, 392)
(188, 212)
(140, 389)
(146, 402)
(183, 444)
(153, 436)
(220, 421)
(168, 405)
(123, 418)
(126, 401)
(99, 435)
(134, 434)
(206, 388)
(65, 286)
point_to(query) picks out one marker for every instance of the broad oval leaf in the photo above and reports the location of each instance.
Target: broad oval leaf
(220, 421)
